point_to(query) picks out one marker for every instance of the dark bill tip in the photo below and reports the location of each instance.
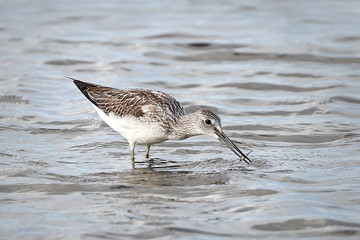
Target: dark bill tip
(230, 144)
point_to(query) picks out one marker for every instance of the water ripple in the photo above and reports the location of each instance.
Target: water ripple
(13, 99)
(271, 87)
(249, 56)
(68, 62)
(345, 99)
(302, 224)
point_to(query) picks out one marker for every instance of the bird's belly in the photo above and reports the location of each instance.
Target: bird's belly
(134, 130)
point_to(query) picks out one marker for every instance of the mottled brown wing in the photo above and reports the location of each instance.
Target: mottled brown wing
(147, 105)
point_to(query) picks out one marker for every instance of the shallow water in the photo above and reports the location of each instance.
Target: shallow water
(283, 75)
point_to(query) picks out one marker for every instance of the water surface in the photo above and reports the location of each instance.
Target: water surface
(283, 75)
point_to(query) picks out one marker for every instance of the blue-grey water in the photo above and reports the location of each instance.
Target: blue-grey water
(283, 75)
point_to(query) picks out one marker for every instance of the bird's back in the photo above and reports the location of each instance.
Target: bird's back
(146, 105)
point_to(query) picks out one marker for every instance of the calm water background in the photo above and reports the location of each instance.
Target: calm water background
(283, 75)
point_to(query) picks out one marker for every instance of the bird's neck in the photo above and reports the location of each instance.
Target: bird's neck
(185, 127)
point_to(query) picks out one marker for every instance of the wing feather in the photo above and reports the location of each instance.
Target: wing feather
(147, 105)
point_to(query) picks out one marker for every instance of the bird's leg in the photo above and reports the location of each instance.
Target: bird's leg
(132, 149)
(147, 151)
(132, 155)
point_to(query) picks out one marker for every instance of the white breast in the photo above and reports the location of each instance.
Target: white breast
(134, 130)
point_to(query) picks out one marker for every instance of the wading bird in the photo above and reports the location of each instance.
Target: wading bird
(147, 117)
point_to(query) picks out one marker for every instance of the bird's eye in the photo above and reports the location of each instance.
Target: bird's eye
(207, 121)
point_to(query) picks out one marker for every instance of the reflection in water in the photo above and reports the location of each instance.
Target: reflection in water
(172, 178)
(159, 172)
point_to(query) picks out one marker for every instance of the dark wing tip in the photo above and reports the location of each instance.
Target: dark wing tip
(83, 87)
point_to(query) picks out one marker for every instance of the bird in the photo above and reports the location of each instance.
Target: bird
(147, 117)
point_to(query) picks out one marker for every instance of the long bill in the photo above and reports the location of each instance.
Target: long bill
(224, 139)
